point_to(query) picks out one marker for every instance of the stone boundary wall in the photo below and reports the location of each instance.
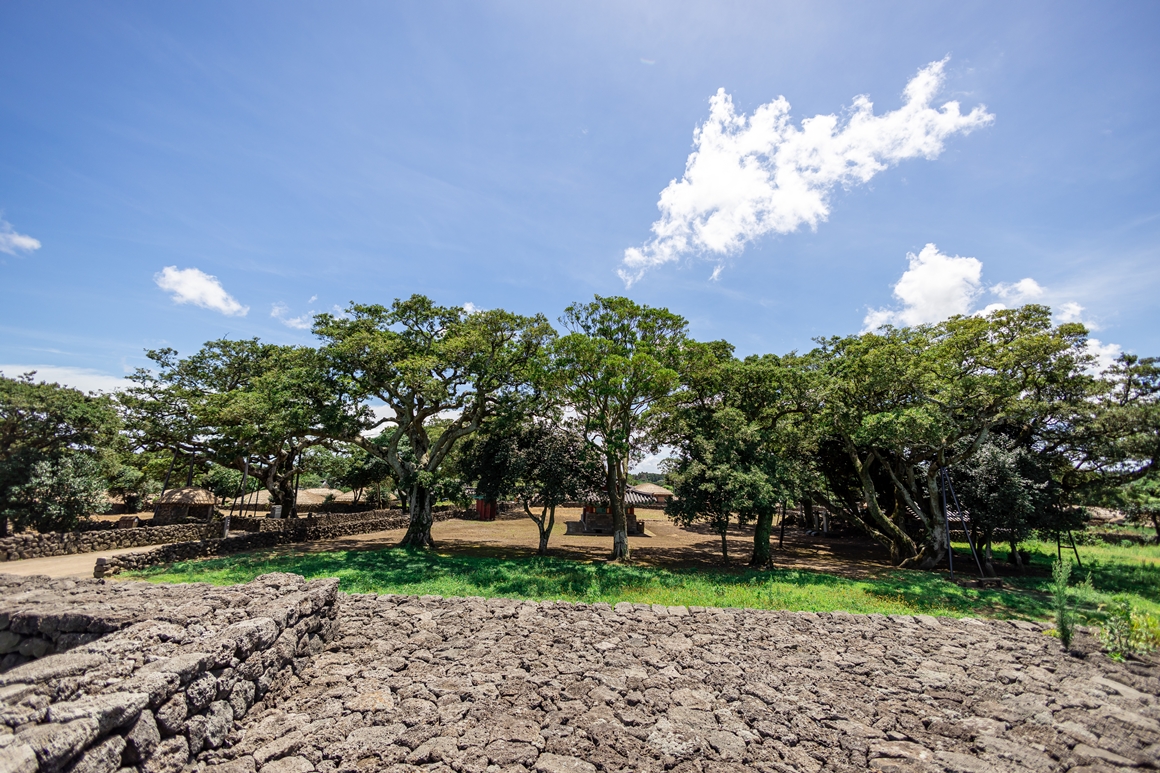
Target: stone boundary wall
(19, 546)
(184, 663)
(262, 523)
(294, 530)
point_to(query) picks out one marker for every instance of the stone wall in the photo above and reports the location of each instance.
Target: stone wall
(292, 530)
(27, 545)
(172, 672)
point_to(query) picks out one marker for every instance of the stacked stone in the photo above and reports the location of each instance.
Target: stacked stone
(166, 685)
(474, 685)
(291, 531)
(20, 546)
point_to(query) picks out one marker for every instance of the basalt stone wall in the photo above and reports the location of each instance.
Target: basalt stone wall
(178, 667)
(323, 520)
(20, 546)
(293, 530)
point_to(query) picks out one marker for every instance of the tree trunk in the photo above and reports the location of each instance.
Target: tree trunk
(902, 547)
(762, 530)
(1156, 525)
(419, 532)
(938, 539)
(616, 508)
(808, 513)
(725, 540)
(988, 557)
(546, 522)
(1015, 558)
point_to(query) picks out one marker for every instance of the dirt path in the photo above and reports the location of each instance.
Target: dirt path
(663, 544)
(73, 565)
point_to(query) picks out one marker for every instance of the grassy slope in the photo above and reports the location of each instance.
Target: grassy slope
(1134, 571)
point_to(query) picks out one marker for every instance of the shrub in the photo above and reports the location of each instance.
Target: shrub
(1127, 631)
(1064, 618)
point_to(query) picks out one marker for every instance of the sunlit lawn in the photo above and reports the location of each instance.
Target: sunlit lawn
(1134, 571)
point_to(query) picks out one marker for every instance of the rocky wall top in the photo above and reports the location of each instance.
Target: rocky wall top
(475, 685)
(179, 665)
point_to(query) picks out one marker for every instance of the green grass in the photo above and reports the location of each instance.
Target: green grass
(905, 592)
(1131, 572)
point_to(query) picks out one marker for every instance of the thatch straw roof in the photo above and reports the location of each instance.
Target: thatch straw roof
(188, 496)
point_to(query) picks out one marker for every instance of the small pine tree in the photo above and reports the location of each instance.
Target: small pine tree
(1064, 619)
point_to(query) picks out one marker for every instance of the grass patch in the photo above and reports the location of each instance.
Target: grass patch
(401, 571)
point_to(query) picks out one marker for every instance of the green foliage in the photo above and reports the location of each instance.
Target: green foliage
(537, 463)
(42, 428)
(1128, 631)
(1064, 616)
(239, 404)
(424, 362)
(618, 359)
(57, 494)
(908, 401)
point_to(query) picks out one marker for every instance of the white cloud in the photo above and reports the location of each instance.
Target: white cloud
(753, 175)
(652, 462)
(471, 308)
(10, 241)
(1105, 354)
(934, 287)
(1018, 293)
(84, 379)
(304, 322)
(189, 285)
(937, 286)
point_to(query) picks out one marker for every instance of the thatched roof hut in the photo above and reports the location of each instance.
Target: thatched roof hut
(183, 505)
(188, 496)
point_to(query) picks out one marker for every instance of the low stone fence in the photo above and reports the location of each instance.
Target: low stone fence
(20, 546)
(180, 665)
(292, 530)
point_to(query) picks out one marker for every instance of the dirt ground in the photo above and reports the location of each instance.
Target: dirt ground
(663, 543)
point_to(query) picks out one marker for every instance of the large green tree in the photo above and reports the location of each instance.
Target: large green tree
(616, 361)
(42, 425)
(426, 362)
(243, 404)
(907, 402)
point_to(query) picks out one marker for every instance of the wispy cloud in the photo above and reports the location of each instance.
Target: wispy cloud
(753, 175)
(11, 242)
(84, 379)
(190, 285)
(280, 312)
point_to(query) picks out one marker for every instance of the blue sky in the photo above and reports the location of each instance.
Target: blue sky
(508, 154)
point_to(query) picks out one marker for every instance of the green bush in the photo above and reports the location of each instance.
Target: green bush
(1126, 630)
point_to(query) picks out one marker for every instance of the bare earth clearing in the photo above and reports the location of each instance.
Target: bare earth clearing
(663, 544)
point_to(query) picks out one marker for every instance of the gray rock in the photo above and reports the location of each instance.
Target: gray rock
(288, 765)
(56, 745)
(105, 757)
(171, 716)
(556, 763)
(18, 758)
(200, 692)
(241, 698)
(219, 718)
(169, 757)
(142, 738)
(111, 710)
